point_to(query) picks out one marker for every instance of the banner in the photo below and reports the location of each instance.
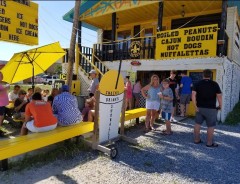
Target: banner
(193, 42)
(19, 22)
(110, 105)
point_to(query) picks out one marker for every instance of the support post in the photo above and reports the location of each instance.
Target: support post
(160, 16)
(222, 28)
(114, 19)
(4, 165)
(95, 129)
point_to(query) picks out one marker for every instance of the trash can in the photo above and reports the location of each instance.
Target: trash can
(81, 101)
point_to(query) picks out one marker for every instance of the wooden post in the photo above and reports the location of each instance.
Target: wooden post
(71, 57)
(96, 118)
(114, 19)
(222, 28)
(4, 165)
(160, 16)
(123, 114)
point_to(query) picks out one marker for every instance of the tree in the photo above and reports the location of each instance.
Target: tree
(71, 57)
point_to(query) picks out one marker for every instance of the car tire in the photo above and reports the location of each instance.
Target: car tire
(50, 82)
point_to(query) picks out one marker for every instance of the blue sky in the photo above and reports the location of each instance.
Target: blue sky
(52, 28)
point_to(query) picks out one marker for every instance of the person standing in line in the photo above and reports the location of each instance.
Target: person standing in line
(166, 97)
(136, 93)
(204, 96)
(94, 83)
(3, 102)
(150, 93)
(128, 88)
(65, 107)
(186, 84)
(174, 86)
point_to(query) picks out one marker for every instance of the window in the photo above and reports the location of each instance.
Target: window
(123, 35)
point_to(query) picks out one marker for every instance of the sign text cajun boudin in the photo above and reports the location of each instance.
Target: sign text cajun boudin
(190, 42)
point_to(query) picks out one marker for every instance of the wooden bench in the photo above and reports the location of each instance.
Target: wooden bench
(22, 144)
(135, 114)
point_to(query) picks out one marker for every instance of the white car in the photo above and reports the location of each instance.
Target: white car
(50, 79)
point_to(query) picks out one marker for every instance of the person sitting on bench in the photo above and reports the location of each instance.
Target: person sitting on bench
(20, 105)
(65, 108)
(38, 116)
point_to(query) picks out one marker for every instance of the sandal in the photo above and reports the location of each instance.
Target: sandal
(152, 128)
(200, 141)
(146, 130)
(213, 145)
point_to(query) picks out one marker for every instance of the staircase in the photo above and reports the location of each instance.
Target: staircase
(88, 61)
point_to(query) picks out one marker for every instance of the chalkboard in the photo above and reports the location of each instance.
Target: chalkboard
(197, 76)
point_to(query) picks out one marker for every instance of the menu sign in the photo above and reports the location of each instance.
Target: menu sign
(19, 22)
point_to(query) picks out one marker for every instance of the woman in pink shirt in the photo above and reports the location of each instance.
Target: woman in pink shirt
(136, 92)
(128, 88)
(3, 101)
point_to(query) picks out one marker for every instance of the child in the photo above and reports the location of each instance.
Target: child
(166, 97)
(89, 105)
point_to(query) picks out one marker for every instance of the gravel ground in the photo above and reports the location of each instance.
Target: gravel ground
(158, 159)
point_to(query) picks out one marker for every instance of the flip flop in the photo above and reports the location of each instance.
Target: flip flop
(152, 128)
(213, 145)
(200, 141)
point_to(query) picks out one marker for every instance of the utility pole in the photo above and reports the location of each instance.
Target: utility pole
(71, 56)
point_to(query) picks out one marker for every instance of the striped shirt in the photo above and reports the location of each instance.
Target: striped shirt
(65, 106)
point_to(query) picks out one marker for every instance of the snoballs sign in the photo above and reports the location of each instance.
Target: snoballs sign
(110, 105)
(19, 22)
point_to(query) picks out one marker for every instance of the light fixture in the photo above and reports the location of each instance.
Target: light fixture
(183, 11)
(117, 24)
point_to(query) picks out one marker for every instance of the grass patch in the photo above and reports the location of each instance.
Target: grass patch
(233, 118)
(64, 150)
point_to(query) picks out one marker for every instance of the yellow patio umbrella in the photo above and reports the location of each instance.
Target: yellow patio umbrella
(24, 65)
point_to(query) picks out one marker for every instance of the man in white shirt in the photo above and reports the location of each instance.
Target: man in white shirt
(13, 95)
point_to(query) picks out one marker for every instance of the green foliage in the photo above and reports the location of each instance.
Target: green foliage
(58, 69)
(233, 118)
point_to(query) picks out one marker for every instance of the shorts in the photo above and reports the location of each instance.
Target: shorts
(166, 116)
(210, 115)
(185, 99)
(152, 105)
(136, 95)
(30, 126)
(2, 111)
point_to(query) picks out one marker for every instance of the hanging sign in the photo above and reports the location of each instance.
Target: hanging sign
(110, 105)
(19, 22)
(192, 42)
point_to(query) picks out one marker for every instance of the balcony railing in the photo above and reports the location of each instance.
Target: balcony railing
(135, 48)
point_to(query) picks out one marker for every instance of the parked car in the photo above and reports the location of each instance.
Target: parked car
(50, 79)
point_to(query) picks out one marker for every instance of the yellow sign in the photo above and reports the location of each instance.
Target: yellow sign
(193, 42)
(109, 85)
(19, 22)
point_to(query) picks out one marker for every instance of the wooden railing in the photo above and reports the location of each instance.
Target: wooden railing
(123, 49)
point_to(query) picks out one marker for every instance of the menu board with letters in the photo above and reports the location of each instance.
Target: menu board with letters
(197, 76)
(19, 22)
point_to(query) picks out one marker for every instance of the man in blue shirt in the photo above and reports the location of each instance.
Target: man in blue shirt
(186, 84)
(65, 107)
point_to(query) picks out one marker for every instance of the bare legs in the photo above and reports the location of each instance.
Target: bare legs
(210, 132)
(128, 103)
(24, 130)
(150, 118)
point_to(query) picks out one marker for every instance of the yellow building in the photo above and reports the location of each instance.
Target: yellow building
(159, 36)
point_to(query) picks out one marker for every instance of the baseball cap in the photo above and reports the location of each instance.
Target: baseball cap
(93, 71)
(65, 88)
